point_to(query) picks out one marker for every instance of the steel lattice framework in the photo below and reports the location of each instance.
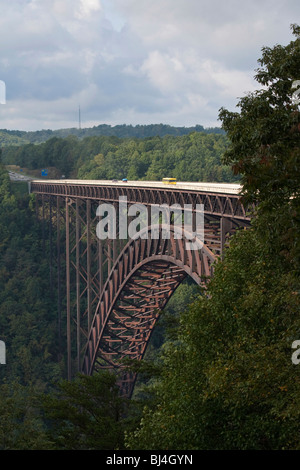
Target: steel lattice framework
(116, 289)
(142, 280)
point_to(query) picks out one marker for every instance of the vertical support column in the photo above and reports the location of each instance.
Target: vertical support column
(115, 250)
(78, 282)
(149, 215)
(100, 265)
(43, 222)
(69, 364)
(50, 242)
(88, 267)
(109, 255)
(115, 244)
(195, 231)
(58, 272)
(226, 226)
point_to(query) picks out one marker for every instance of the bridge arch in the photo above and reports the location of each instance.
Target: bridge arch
(143, 278)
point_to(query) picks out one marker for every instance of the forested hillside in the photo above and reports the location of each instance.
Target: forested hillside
(194, 157)
(15, 137)
(27, 308)
(28, 320)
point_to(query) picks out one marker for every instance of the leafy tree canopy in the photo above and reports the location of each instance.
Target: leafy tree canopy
(265, 135)
(265, 147)
(86, 413)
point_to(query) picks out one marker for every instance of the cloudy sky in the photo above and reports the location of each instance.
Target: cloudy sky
(132, 61)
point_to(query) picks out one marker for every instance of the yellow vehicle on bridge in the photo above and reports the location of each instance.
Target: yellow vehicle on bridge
(169, 180)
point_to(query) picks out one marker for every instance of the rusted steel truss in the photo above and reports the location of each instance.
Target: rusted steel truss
(116, 289)
(226, 205)
(143, 278)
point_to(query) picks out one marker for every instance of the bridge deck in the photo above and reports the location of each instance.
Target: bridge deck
(221, 188)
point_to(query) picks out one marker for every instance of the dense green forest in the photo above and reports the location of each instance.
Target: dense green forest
(28, 320)
(15, 137)
(194, 157)
(219, 373)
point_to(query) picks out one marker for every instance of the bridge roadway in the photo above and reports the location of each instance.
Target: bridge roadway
(218, 199)
(221, 188)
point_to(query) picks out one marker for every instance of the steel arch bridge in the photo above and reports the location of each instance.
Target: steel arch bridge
(116, 288)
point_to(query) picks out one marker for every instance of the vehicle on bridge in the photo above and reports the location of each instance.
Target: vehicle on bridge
(169, 180)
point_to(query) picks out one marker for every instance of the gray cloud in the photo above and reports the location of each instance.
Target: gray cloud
(132, 61)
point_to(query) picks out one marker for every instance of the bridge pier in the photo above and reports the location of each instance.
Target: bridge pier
(226, 226)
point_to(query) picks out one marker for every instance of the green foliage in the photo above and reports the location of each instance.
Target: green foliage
(8, 138)
(196, 157)
(27, 306)
(265, 135)
(265, 148)
(27, 324)
(21, 423)
(193, 157)
(15, 137)
(86, 413)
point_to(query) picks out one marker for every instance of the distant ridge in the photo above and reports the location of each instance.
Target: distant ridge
(16, 137)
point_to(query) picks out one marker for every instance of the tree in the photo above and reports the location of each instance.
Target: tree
(264, 136)
(21, 427)
(85, 414)
(265, 147)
